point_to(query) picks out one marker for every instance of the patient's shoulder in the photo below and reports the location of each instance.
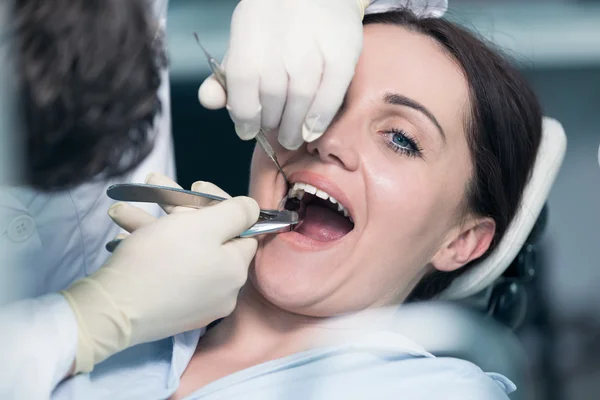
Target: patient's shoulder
(453, 378)
(395, 364)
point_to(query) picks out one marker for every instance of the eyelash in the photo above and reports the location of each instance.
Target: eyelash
(414, 151)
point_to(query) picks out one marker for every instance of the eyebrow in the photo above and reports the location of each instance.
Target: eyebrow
(400, 100)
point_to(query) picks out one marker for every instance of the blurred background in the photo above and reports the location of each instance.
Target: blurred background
(557, 46)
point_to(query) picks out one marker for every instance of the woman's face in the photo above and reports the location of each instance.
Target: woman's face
(397, 159)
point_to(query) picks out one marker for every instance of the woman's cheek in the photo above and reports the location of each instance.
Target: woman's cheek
(261, 184)
(256, 168)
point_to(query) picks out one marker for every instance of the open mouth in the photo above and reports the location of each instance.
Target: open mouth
(325, 218)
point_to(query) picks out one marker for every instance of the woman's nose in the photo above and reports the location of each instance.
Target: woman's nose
(338, 146)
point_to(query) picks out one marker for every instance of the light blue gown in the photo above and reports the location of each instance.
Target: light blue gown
(378, 365)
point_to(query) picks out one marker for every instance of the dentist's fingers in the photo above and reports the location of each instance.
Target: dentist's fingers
(198, 186)
(273, 93)
(242, 65)
(243, 100)
(328, 100)
(339, 65)
(304, 79)
(230, 218)
(112, 245)
(241, 252)
(211, 94)
(159, 179)
(210, 188)
(129, 217)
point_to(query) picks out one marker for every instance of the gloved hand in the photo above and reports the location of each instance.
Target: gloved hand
(171, 275)
(288, 65)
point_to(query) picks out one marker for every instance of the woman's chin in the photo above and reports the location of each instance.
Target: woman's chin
(291, 293)
(285, 292)
(300, 274)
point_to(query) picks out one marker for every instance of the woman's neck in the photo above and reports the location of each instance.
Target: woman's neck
(259, 330)
(256, 332)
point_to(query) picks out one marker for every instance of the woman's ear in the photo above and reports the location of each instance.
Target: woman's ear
(472, 241)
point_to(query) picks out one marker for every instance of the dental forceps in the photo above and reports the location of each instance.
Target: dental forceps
(219, 73)
(269, 221)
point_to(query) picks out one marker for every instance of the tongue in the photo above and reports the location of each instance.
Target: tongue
(323, 224)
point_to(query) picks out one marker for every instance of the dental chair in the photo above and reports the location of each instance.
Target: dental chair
(475, 319)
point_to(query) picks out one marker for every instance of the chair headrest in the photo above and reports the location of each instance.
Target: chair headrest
(422, 8)
(548, 161)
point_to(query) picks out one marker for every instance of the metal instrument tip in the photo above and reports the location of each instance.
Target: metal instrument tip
(206, 53)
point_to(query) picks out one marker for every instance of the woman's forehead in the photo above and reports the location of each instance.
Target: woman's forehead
(397, 60)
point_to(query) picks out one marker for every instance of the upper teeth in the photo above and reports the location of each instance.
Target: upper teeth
(299, 188)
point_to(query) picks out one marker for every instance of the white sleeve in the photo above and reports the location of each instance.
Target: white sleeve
(38, 341)
(159, 10)
(425, 8)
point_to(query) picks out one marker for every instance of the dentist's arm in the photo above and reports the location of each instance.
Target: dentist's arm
(38, 340)
(289, 63)
(175, 274)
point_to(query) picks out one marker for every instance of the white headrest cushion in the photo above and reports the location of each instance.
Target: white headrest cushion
(550, 155)
(421, 8)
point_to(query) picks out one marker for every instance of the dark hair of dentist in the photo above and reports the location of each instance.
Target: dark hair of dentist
(87, 75)
(503, 132)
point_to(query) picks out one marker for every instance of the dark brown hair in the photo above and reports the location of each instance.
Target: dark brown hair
(88, 73)
(503, 129)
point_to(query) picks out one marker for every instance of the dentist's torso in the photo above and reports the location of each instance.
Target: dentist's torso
(56, 238)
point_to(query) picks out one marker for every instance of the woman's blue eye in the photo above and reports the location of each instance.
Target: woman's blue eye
(401, 142)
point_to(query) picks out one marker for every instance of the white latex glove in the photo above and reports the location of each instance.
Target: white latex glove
(171, 275)
(288, 65)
